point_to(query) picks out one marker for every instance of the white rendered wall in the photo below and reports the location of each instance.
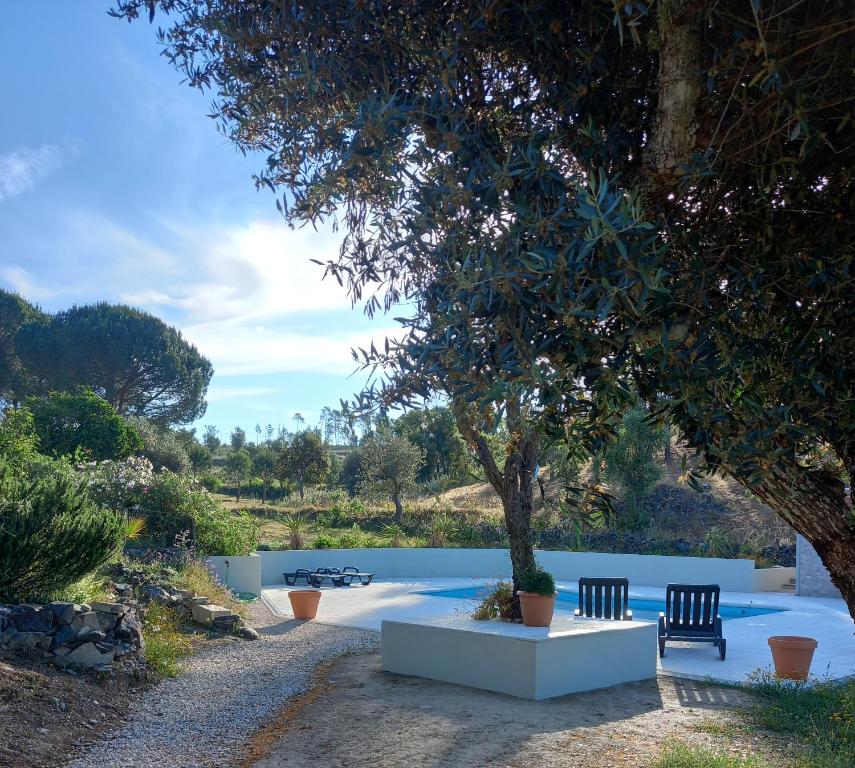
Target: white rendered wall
(243, 573)
(641, 570)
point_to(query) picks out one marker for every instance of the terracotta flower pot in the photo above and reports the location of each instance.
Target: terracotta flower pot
(304, 602)
(536, 610)
(792, 655)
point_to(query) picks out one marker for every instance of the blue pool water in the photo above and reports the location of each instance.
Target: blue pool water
(641, 609)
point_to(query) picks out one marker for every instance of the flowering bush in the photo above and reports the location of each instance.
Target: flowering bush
(119, 484)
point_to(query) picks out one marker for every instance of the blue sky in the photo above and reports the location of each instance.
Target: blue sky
(114, 185)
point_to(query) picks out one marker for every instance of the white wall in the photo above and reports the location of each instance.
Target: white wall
(641, 570)
(772, 579)
(243, 573)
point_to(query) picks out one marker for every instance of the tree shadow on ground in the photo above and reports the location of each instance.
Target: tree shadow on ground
(367, 717)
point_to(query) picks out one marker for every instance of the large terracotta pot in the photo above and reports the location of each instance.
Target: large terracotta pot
(536, 610)
(792, 655)
(304, 602)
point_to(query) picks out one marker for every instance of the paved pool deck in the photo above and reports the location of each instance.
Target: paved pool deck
(747, 649)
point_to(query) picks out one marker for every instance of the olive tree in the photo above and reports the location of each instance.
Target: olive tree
(304, 460)
(389, 465)
(576, 199)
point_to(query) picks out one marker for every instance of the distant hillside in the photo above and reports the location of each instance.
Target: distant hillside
(677, 511)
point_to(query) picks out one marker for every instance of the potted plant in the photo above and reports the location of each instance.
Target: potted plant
(304, 602)
(792, 655)
(537, 597)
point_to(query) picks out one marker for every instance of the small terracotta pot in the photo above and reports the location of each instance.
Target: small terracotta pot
(792, 655)
(536, 610)
(304, 602)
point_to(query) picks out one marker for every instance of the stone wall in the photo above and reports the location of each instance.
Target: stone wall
(73, 634)
(812, 577)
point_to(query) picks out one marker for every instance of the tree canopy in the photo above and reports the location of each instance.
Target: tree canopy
(135, 361)
(304, 460)
(578, 200)
(15, 311)
(389, 465)
(68, 422)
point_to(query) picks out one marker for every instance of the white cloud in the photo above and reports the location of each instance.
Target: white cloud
(253, 271)
(239, 350)
(21, 168)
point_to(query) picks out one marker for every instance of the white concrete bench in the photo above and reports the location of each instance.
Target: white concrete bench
(530, 662)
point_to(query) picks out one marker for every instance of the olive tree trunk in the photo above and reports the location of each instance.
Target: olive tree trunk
(815, 503)
(514, 483)
(399, 507)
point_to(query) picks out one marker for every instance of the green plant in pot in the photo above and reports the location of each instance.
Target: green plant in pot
(537, 597)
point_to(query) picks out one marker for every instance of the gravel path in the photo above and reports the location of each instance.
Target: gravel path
(225, 693)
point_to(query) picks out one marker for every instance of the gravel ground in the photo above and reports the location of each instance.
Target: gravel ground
(225, 693)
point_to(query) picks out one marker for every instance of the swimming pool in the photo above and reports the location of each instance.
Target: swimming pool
(646, 609)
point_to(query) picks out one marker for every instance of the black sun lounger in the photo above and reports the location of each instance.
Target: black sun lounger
(291, 579)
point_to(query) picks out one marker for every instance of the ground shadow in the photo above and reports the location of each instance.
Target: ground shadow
(367, 717)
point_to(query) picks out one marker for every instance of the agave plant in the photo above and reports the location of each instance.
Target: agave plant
(441, 529)
(296, 526)
(394, 536)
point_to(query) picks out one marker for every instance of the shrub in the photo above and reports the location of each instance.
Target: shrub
(162, 447)
(325, 541)
(119, 484)
(67, 423)
(223, 532)
(497, 604)
(51, 535)
(353, 539)
(441, 529)
(538, 582)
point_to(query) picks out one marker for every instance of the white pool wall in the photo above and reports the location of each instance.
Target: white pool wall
(641, 570)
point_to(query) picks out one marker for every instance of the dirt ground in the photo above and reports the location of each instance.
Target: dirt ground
(45, 714)
(358, 715)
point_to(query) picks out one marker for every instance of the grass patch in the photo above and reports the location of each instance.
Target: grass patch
(821, 717)
(719, 728)
(196, 578)
(677, 754)
(89, 589)
(165, 643)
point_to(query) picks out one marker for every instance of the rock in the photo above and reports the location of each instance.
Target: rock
(151, 592)
(87, 634)
(199, 600)
(115, 608)
(106, 621)
(63, 613)
(205, 614)
(29, 642)
(124, 590)
(248, 633)
(90, 655)
(28, 618)
(64, 635)
(88, 619)
(130, 628)
(226, 623)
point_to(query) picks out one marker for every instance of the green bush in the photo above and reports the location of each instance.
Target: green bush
(51, 534)
(174, 505)
(223, 532)
(538, 582)
(325, 541)
(67, 423)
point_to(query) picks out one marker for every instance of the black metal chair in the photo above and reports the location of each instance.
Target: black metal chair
(604, 598)
(691, 616)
